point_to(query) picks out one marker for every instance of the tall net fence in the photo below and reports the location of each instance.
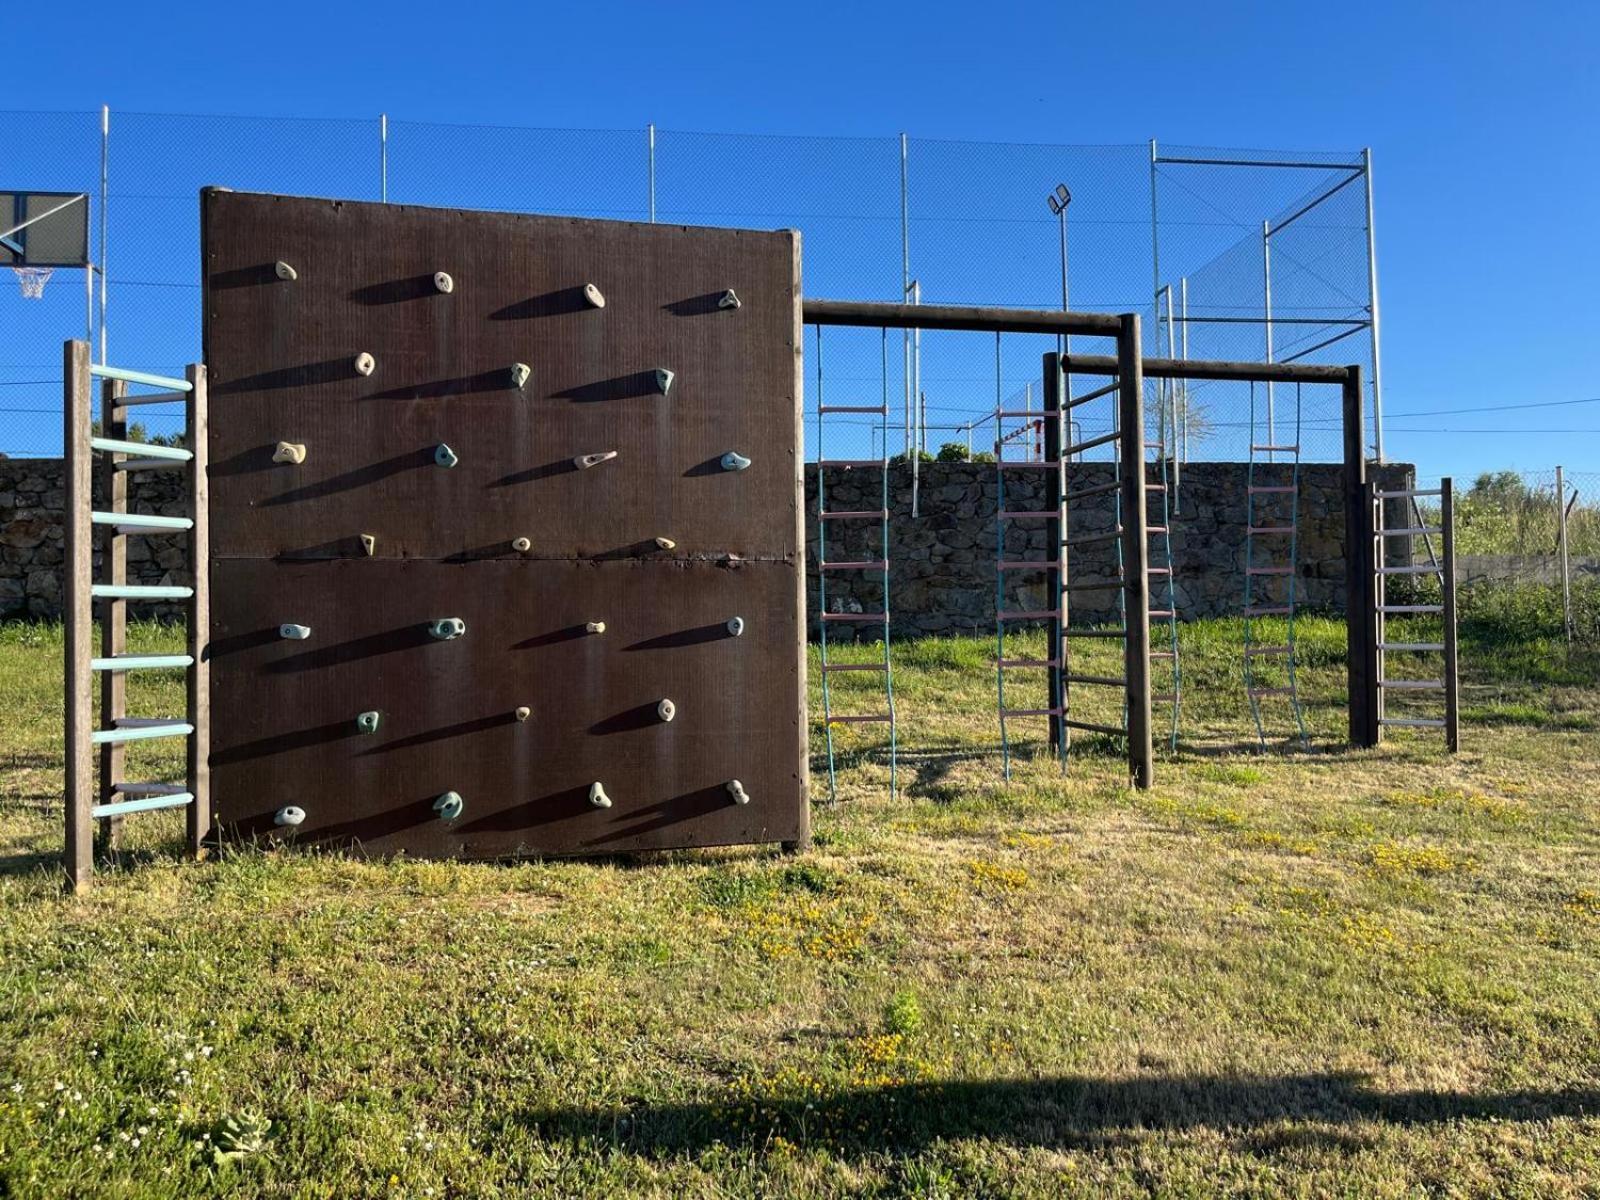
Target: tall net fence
(1174, 238)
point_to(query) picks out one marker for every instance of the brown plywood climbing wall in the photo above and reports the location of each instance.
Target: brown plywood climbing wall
(578, 439)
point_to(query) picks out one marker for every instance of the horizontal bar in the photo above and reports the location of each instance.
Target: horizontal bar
(1413, 722)
(1094, 540)
(1105, 633)
(854, 566)
(150, 398)
(1113, 730)
(947, 316)
(878, 617)
(143, 722)
(1006, 713)
(1027, 615)
(1022, 514)
(1079, 447)
(1164, 697)
(1098, 489)
(1200, 368)
(139, 591)
(152, 788)
(847, 463)
(1074, 401)
(1278, 691)
(852, 408)
(1095, 586)
(1355, 174)
(831, 667)
(127, 376)
(148, 464)
(1268, 570)
(1420, 570)
(116, 446)
(1270, 529)
(842, 514)
(1246, 162)
(1046, 465)
(1273, 611)
(1269, 650)
(877, 720)
(104, 737)
(1275, 449)
(1099, 680)
(1162, 612)
(1407, 494)
(140, 521)
(1413, 647)
(1282, 490)
(1022, 564)
(148, 804)
(140, 662)
(1156, 529)
(1158, 570)
(1033, 413)
(1014, 663)
(1163, 654)
(1263, 320)
(1412, 685)
(1411, 608)
(1419, 530)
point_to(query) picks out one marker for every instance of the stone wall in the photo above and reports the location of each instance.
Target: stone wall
(942, 573)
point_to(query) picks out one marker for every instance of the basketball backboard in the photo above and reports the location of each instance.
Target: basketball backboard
(44, 229)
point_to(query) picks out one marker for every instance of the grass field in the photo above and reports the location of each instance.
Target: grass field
(1305, 972)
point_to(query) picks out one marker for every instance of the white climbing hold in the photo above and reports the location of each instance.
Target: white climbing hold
(365, 364)
(523, 712)
(728, 300)
(520, 374)
(289, 814)
(595, 627)
(293, 453)
(736, 790)
(284, 271)
(522, 545)
(593, 296)
(367, 722)
(597, 795)
(734, 461)
(664, 380)
(369, 544)
(735, 626)
(447, 629)
(449, 806)
(443, 456)
(584, 461)
(294, 633)
(666, 710)
(666, 543)
(442, 281)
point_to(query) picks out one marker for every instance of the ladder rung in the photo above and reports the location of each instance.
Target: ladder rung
(105, 737)
(142, 722)
(852, 408)
(1163, 654)
(1155, 487)
(139, 591)
(1024, 565)
(1162, 612)
(864, 617)
(1095, 586)
(151, 398)
(1097, 633)
(1164, 697)
(1088, 396)
(1007, 713)
(1098, 489)
(118, 808)
(1098, 680)
(1408, 570)
(1280, 691)
(1046, 465)
(879, 514)
(1413, 647)
(140, 662)
(854, 566)
(1028, 662)
(830, 667)
(1270, 449)
(1158, 570)
(1412, 685)
(1419, 530)
(1405, 495)
(1027, 615)
(850, 462)
(1269, 529)
(1257, 489)
(182, 386)
(1269, 570)
(1094, 540)
(873, 720)
(1272, 611)
(1413, 722)
(1080, 447)
(145, 449)
(151, 788)
(1013, 412)
(1113, 730)
(147, 464)
(140, 521)
(1155, 529)
(1269, 650)
(1022, 514)
(1411, 608)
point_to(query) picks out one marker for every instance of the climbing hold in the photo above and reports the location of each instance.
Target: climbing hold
(593, 297)
(735, 626)
(598, 797)
(443, 456)
(734, 461)
(523, 712)
(290, 452)
(365, 364)
(584, 461)
(442, 281)
(595, 627)
(666, 543)
(520, 374)
(447, 629)
(736, 790)
(284, 271)
(522, 545)
(448, 806)
(666, 710)
(294, 633)
(369, 544)
(367, 722)
(664, 380)
(728, 300)
(289, 814)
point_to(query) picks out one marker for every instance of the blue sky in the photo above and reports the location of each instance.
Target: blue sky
(1481, 127)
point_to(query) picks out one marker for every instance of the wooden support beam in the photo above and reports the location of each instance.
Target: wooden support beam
(1135, 552)
(113, 612)
(77, 567)
(1054, 488)
(1360, 570)
(199, 759)
(1452, 673)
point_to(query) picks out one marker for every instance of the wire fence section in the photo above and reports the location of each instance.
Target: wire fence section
(1207, 244)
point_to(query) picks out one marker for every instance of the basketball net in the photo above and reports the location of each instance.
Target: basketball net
(32, 281)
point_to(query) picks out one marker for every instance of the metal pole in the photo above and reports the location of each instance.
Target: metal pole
(905, 276)
(1155, 228)
(1055, 540)
(651, 130)
(1372, 312)
(1561, 551)
(1183, 310)
(383, 157)
(105, 189)
(1452, 674)
(1266, 293)
(77, 569)
(1135, 553)
(1360, 572)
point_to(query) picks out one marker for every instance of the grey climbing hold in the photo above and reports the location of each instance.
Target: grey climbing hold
(520, 374)
(666, 543)
(447, 629)
(584, 461)
(735, 626)
(294, 633)
(595, 627)
(666, 710)
(664, 380)
(369, 544)
(522, 545)
(284, 271)
(593, 297)
(736, 790)
(449, 806)
(523, 712)
(443, 456)
(598, 797)
(442, 281)
(728, 300)
(734, 461)
(293, 453)
(365, 364)
(289, 814)
(367, 722)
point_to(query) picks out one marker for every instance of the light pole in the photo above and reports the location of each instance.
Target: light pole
(1059, 199)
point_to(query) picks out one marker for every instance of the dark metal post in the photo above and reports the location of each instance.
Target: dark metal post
(114, 611)
(199, 763)
(1360, 572)
(1055, 542)
(1135, 552)
(77, 567)
(1452, 676)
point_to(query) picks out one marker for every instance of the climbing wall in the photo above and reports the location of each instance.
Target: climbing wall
(505, 529)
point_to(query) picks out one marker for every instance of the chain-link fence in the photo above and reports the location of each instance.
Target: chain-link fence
(1176, 236)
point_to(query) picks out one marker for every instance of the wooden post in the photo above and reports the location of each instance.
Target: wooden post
(1452, 675)
(1055, 537)
(77, 569)
(113, 612)
(1360, 572)
(1135, 551)
(199, 762)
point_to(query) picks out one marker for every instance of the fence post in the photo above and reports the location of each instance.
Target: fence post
(1561, 552)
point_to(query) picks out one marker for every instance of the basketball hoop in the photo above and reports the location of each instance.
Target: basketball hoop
(32, 281)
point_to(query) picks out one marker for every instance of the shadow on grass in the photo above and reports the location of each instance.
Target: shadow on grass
(1060, 1112)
